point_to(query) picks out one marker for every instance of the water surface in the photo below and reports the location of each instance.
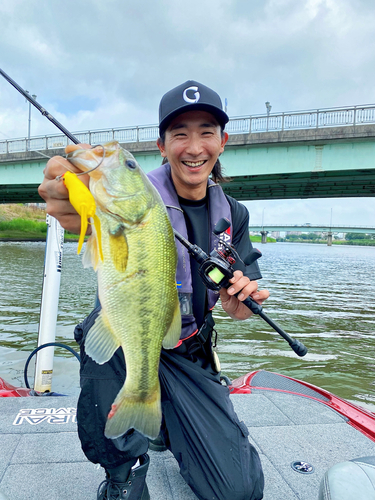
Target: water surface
(322, 295)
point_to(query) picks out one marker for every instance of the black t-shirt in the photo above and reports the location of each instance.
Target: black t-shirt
(197, 223)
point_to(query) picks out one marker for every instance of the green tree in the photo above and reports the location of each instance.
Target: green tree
(355, 236)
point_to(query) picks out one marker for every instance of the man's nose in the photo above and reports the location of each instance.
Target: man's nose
(194, 147)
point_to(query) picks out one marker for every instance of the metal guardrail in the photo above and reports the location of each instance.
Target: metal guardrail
(294, 120)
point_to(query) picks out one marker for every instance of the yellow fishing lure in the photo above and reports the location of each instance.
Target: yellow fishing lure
(83, 201)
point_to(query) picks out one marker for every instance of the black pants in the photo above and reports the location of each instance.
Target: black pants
(200, 425)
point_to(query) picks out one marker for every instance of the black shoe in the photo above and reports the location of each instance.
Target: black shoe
(134, 488)
(157, 444)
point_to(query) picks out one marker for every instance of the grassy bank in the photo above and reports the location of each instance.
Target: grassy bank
(25, 223)
(364, 243)
(258, 239)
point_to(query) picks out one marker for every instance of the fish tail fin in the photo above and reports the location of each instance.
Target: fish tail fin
(131, 411)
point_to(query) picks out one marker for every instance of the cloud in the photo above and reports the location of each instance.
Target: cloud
(96, 64)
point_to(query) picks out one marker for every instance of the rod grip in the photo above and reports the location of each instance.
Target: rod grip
(296, 345)
(299, 348)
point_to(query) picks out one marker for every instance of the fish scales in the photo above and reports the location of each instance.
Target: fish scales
(136, 284)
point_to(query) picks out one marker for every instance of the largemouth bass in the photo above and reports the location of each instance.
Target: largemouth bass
(136, 283)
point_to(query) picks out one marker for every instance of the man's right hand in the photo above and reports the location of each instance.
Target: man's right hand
(55, 193)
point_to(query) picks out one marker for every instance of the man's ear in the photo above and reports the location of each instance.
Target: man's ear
(224, 140)
(161, 147)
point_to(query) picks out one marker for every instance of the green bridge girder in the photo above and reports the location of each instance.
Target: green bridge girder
(321, 163)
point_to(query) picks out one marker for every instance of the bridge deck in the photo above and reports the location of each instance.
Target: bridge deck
(289, 164)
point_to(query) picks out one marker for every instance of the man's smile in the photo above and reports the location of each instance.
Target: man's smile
(194, 164)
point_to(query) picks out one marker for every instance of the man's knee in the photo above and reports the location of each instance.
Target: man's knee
(252, 489)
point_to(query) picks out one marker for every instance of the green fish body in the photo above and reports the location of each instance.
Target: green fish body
(136, 283)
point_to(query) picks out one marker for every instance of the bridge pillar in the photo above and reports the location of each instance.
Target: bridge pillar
(264, 236)
(329, 239)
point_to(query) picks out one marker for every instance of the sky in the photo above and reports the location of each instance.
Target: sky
(97, 64)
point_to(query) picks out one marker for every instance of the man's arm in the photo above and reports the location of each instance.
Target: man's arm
(245, 282)
(55, 193)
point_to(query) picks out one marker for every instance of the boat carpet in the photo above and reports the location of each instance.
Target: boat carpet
(41, 458)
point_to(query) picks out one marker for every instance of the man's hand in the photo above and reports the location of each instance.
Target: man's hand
(55, 193)
(233, 305)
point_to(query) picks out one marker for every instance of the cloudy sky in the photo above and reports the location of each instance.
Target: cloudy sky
(101, 64)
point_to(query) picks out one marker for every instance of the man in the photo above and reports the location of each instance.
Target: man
(199, 424)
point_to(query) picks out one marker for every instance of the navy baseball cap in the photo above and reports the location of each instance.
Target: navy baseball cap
(190, 96)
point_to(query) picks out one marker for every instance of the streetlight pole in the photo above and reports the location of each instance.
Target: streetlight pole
(29, 125)
(269, 107)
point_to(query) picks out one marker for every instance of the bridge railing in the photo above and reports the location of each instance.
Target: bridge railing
(294, 120)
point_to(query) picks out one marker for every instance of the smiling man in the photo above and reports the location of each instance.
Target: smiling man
(199, 426)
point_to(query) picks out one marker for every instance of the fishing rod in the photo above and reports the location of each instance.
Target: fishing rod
(51, 274)
(40, 108)
(216, 270)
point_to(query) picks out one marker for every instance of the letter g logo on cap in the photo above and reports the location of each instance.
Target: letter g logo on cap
(189, 99)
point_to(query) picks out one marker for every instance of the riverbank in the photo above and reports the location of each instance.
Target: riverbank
(25, 223)
(362, 243)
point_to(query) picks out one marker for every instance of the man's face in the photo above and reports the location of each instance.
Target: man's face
(193, 143)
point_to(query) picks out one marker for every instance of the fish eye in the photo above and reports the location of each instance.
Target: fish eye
(131, 164)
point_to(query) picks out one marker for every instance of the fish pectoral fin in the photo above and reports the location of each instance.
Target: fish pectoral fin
(98, 231)
(101, 343)
(119, 249)
(174, 331)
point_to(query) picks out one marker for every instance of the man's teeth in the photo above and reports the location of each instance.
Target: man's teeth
(194, 163)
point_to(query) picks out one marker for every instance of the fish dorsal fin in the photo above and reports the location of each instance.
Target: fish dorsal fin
(174, 331)
(101, 343)
(119, 248)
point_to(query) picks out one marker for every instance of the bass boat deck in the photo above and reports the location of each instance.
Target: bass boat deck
(288, 421)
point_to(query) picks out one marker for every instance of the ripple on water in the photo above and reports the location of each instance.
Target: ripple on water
(321, 295)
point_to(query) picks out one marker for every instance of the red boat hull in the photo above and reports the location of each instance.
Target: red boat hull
(358, 417)
(10, 391)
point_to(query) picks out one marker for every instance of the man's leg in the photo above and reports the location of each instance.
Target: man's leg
(99, 387)
(204, 433)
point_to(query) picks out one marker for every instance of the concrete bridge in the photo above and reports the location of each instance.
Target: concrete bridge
(308, 228)
(304, 154)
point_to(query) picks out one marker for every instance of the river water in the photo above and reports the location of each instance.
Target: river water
(323, 296)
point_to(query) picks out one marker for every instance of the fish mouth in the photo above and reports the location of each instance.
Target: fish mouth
(88, 160)
(194, 164)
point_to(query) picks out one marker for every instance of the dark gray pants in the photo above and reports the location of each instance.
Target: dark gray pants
(200, 425)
